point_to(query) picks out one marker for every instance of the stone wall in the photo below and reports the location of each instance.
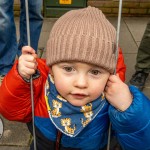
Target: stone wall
(110, 7)
(129, 7)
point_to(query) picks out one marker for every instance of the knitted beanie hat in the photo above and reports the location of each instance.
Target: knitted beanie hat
(83, 35)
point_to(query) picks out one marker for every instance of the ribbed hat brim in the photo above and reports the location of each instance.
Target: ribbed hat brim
(83, 35)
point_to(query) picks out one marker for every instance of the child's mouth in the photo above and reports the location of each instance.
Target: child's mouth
(79, 96)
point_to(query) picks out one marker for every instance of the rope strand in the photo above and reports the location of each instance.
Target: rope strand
(31, 81)
(117, 46)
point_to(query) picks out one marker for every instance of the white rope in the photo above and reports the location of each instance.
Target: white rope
(117, 46)
(31, 83)
(118, 31)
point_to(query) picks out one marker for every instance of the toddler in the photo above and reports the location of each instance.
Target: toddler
(75, 91)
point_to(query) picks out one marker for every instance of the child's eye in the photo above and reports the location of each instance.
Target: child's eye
(95, 72)
(68, 69)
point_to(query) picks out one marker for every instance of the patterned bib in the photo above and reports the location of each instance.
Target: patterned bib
(69, 119)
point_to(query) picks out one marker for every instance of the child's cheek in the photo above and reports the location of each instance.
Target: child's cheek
(61, 88)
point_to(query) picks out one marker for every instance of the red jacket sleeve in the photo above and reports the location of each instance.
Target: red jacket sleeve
(121, 67)
(15, 97)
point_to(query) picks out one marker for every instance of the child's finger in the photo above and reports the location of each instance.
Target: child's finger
(27, 50)
(109, 83)
(114, 79)
(106, 88)
(30, 58)
(29, 72)
(35, 55)
(31, 65)
(117, 74)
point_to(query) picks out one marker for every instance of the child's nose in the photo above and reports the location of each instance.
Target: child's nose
(81, 81)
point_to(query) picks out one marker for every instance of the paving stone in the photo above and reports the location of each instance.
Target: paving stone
(15, 133)
(130, 60)
(17, 27)
(136, 26)
(126, 41)
(43, 39)
(48, 23)
(13, 148)
(46, 28)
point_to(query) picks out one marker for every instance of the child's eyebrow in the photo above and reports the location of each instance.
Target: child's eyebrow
(99, 68)
(68, 63)
(65, 63)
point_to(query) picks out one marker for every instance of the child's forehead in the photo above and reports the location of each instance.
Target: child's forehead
(78, 63)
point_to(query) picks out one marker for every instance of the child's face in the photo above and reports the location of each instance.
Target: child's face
(79, 83)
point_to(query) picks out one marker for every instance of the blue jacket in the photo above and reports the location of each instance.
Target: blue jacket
(132, 127)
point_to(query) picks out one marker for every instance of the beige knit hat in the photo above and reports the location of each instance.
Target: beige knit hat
(83, 35)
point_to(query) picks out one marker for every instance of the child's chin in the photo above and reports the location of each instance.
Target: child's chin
(77, 103)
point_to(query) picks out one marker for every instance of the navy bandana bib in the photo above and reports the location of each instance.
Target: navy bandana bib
(69, 119)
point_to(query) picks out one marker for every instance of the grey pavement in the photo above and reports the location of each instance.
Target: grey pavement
(16, 135)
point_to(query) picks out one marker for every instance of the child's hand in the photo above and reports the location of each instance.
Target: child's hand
(27, 64)
(117, 93)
